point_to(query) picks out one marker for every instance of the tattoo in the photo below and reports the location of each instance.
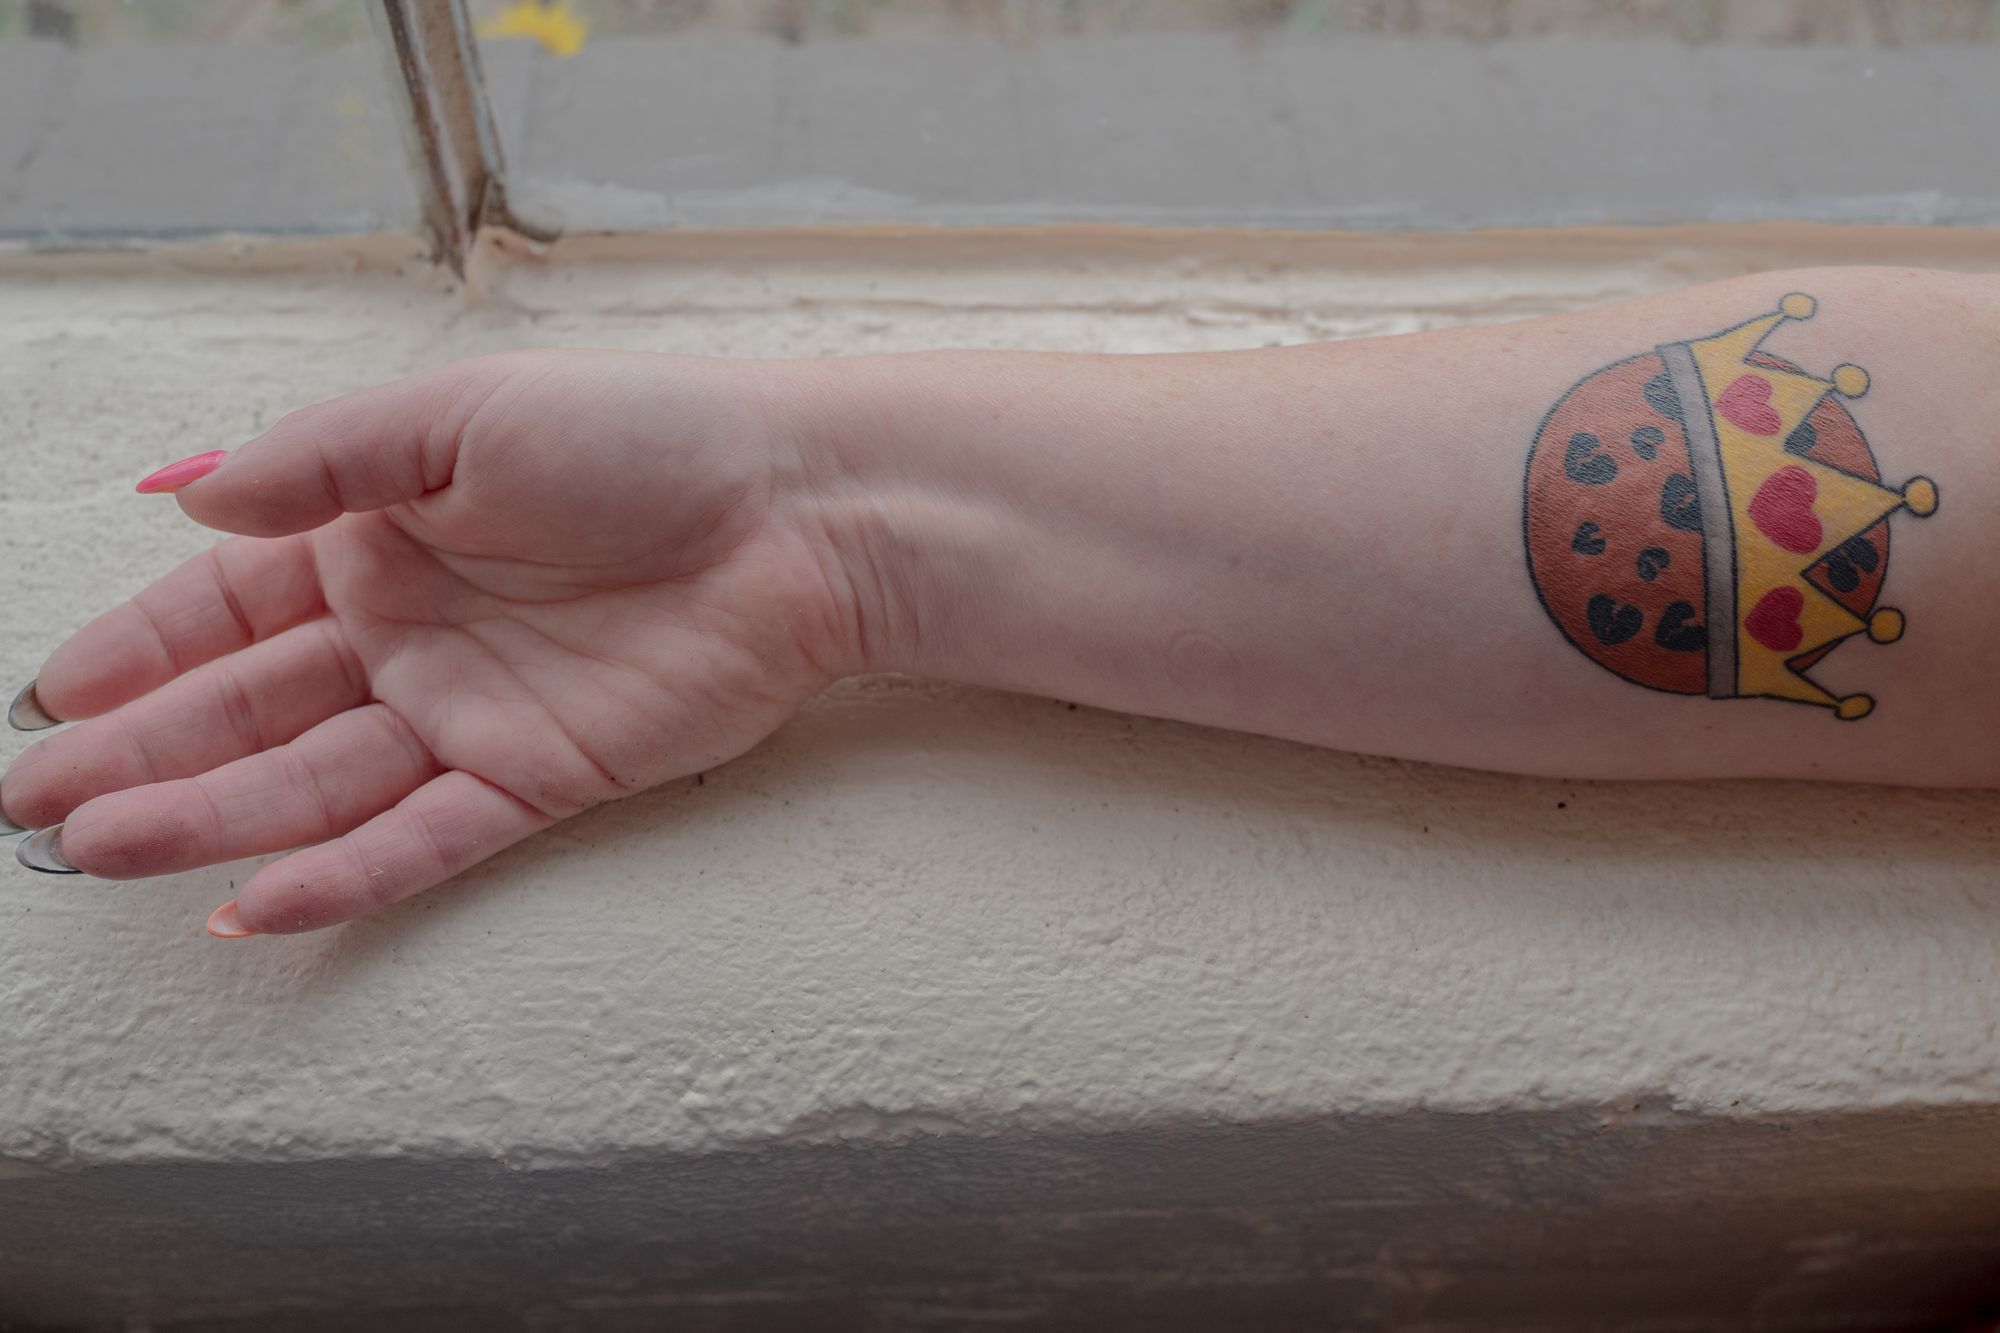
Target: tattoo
(1706, 518)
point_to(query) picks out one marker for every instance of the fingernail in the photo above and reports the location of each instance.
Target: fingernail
(224, 924)
(26, 712)
(42, 850)
(176, 475)
(8, 828)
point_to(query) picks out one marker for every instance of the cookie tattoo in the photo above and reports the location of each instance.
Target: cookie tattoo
(1706, 518)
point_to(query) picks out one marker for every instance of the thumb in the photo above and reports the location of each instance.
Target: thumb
(362, 451)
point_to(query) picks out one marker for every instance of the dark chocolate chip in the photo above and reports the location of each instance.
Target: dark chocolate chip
(1679, 505)
(1660, 393)
(1612, 623)
(1675, 634)
(1584, 464)
(1847, 562)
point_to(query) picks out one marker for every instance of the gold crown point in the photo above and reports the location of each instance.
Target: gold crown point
(1920, 496)
(1854, 707)
(1886, 625)
(1797, 306)
(1850, 380)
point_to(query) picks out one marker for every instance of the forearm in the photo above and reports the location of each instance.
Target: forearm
(1624, 542)
(1330, 543)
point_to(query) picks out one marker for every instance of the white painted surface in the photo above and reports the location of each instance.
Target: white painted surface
(925, 917)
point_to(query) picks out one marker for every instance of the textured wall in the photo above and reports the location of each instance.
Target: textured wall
(948, 1004)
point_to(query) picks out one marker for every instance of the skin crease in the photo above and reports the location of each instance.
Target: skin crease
(474, 602)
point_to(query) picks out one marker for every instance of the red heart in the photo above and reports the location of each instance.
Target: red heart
(1782, 509)
(1774, 621)
(1747, 403)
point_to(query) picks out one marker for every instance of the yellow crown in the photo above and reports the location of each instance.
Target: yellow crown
(1770, 513)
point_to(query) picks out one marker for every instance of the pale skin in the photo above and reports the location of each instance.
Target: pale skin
(472, 603)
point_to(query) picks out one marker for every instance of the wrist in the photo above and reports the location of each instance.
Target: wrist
(855, 498)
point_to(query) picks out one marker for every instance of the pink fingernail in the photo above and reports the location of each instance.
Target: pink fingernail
(176, 475)
(224, 924)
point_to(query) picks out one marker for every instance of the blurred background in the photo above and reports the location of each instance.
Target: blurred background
(127, 121)
(1859, 22)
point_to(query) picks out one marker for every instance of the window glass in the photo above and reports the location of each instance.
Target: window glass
(1311, 113)
(124, 120)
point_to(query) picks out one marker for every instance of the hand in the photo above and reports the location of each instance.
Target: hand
(468, 604)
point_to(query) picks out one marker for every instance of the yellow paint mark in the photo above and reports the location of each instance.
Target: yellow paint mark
(352, 111)
(560, 29)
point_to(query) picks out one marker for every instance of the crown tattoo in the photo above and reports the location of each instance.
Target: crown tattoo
(1774, 513)
(1707, 518)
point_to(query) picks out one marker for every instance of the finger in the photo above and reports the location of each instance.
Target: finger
(367, 450)
(445, 826)
(249, 701)
(347, 769)
(232, 595)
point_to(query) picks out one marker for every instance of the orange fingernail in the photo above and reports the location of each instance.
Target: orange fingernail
(176, 475)
(225, 924)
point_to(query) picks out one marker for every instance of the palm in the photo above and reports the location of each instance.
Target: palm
(562, 690)
(578, 603)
